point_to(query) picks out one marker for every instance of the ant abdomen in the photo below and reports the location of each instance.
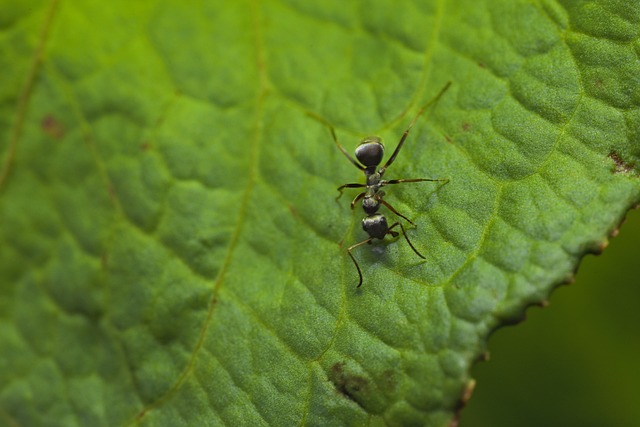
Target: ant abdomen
(375, 225)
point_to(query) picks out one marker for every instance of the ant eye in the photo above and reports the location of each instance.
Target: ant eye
(370, 151)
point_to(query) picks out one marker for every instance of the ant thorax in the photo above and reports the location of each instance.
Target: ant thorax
(370, 204)
(371, 200)
(373, 178)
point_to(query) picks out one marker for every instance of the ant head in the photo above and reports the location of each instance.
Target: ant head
(370, 151)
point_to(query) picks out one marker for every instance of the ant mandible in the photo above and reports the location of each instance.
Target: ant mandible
(369, 155)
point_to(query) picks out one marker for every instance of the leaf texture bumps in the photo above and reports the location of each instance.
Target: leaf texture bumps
(172, 250)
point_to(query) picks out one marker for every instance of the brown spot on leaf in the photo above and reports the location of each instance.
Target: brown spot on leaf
(466, 126)
(349, 385)
(145, 146)
(52, 127)
(141, 414)
(620, 166)
(112, 193)
(390, 380)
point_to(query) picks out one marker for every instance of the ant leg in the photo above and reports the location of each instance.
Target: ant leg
(354, 259)
(392, 209)
(404, 233)
(335, 139)
(400, 181)
(357, 199)
(342, 187)
(406, 132)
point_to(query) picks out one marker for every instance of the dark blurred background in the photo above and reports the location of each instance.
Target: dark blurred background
(575, 362)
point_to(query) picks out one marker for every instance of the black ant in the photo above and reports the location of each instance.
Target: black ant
(369, 154)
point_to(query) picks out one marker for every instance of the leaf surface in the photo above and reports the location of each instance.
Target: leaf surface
(172, 250)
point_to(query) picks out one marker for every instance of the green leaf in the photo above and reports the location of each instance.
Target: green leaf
(562, 350)
(172, 251)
